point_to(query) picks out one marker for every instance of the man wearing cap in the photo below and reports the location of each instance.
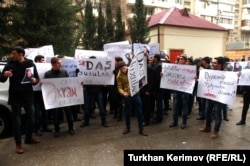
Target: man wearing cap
(124, 90)
(180, 101)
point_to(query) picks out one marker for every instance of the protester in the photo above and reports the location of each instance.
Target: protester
(92, 94)
(41, 115)
(157, 91)
(180, 101)
(211, 105)
(124, 90)
(21, 95)
(115, 99)
(57, 72)
(205, 64)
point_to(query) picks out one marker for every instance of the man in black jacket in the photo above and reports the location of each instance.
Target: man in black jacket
(20, 95)
(57, 72)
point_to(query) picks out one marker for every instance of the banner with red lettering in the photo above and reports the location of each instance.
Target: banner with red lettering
(218, 85)
(61, 92)
(178, 77)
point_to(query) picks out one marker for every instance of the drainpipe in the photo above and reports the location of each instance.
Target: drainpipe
(158, 29)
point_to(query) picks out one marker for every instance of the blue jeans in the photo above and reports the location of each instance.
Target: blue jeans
(225, 109)
(41, 115)
(180, 98)
(16, 118)
(202, 107)
(159, 104)
(135, 101)
(217, 108)
(89, 98)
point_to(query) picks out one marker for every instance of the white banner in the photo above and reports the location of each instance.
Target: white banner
(97, 71)
(153, 48)
(46, 51)
(137, 73)
(119, 50)
(41, 69)
(178, 77)
(79, 54)
(218, 85)
(61, 92)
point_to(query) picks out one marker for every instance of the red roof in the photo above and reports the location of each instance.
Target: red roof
(181, 18)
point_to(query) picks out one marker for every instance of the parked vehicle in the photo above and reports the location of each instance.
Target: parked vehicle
(5, 111)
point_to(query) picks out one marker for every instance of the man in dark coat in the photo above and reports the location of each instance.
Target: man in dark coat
(20, 95)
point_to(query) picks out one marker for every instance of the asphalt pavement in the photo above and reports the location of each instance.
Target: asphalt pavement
(99, 146)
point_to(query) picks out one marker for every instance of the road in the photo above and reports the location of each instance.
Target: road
(99, 146)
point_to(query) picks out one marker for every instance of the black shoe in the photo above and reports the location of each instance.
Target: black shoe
(226, 119)
(77, 119)
(183, 126)
(56, 134)
(71, 132)
(173, 124)
(201, 118)
(38, 133)
(240, 123)
(47, 130)
(105, 124)
(146, 124)
(157, 121)
(84, 125)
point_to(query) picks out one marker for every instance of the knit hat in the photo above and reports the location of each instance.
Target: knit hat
(121, 64)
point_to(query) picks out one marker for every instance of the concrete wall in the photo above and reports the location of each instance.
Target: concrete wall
(195, 42)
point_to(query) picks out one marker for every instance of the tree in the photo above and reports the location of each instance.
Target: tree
(139, 30)
(109, 23)
(10, 20)
(120, 26)
(89, 26)
(49, 22)
(100, 38)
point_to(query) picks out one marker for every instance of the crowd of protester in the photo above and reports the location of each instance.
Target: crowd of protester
(149, 104)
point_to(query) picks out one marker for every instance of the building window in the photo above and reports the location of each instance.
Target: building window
(246, 2)
(245, 23)
(187, 3)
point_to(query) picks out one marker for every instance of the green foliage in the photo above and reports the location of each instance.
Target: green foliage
(109, 23)
(139, 30)
(120, 26)
(89, 27)
(49, 22)
(100, 38)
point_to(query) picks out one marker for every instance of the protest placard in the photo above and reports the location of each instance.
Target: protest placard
(97, 71)
(137, 73)
(41, 69)
(61, 92)
(79, 54)
(70, 65)
(178, 77)
(152, 48)
(119, 50)
(218, 85)
(46, 51)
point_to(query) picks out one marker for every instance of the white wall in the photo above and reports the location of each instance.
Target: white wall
(195, 42)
